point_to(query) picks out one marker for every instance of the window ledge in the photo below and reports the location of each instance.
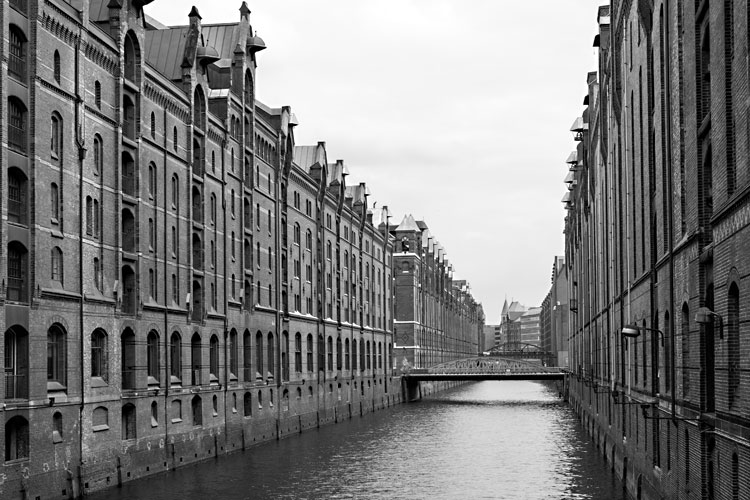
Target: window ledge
(98, 382)
(99, 428)
(54, 386)
(176, 420)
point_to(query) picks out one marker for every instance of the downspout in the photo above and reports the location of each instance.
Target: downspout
(81, 143)
(167, 380)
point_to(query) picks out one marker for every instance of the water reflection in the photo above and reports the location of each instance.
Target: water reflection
(499, 440)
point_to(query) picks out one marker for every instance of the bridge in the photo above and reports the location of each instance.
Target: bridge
(480, 368)
(486, 368)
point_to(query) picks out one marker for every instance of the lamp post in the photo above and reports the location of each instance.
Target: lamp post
(634, 331)
(705, 316)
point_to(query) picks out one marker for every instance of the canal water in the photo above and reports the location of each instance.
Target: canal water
(486, 440)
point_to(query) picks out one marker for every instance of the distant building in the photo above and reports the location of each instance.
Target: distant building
(492, 336)
(436, 319)
(554, 316)
(529, 326)
(510, 324)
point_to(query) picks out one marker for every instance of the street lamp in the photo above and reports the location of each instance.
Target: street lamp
(633, 331)
(705, 316)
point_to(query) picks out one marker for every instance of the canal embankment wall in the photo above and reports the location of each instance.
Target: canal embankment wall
(242, 426)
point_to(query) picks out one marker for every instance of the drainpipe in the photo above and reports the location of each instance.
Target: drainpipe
(167, 380)
(81, 143)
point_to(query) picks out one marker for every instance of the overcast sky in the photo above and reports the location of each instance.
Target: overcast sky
(457, 112)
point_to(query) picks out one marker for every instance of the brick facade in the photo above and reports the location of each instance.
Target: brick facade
(190, 279)
(657, 232)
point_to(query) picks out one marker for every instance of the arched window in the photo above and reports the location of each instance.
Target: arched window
(98, 94)
(271, 355)
(346, 354)
(17, 196)
(247, 403)
(54, 196)
(152, 182)
(16, 53)
(297, 353)
(329, 351)
(354, 355)
(176, 410)
(199, 108)
(213, 358)
(285, 355)
(152, 357)
(259, 356)
(16, 439)
(308, 240)
(154, 414)
(213, 208)
(297, 233)
(56, 131)
(56, 357)
(339, 356)
(57, 427)
(56, 66)
(132, 57)
(98, 154)
(100, 418)
(56, 266)
(196, 405)
(127, 341)
(99, 354)
(247, 357)
(233, 364)
(309, 354)
(175, 358)
(175, 192)
(16, 363)
(128, 422)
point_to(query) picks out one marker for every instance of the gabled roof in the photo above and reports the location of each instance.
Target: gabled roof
(165, 50)
(336, 173)
(98, 11)
(408, 224)
(305, 156)
(222, 37)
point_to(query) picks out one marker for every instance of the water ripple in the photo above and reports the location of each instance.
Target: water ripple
(489, 440)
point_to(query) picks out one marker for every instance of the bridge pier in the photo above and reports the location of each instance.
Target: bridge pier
(411, 390)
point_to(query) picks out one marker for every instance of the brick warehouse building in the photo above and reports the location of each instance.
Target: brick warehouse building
(657, 240)
(201, 281)
(436, 319)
